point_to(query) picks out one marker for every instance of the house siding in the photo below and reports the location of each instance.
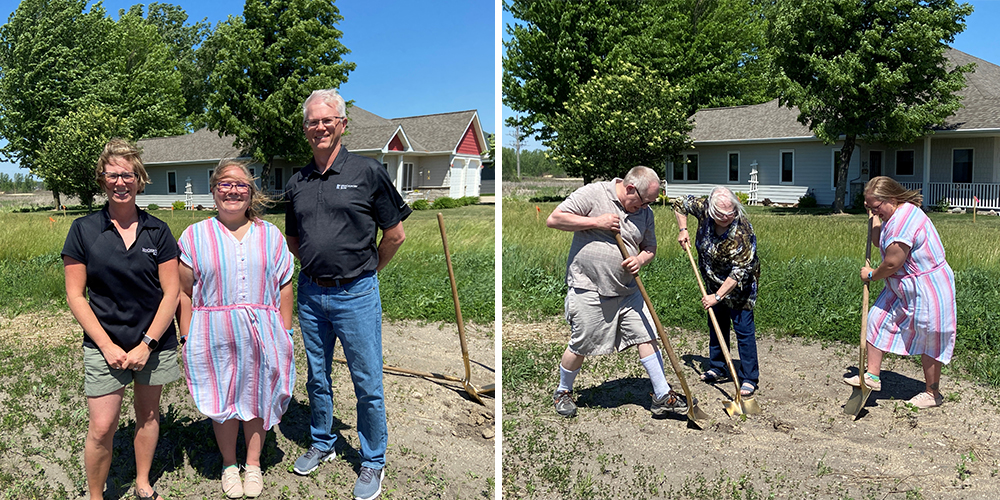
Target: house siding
(469, 145)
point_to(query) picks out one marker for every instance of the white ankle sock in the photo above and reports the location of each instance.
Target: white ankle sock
(566, 379)
(654, 367)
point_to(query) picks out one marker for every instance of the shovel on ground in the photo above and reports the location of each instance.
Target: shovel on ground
(696, 417)
(469, 388)
(740, 405)
(859, 395)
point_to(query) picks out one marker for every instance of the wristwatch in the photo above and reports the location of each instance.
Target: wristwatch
(150, 341)
(717, 298)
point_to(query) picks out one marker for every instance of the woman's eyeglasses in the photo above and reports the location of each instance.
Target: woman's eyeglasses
(240, 187)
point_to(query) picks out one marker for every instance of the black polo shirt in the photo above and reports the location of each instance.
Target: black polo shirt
(336, 215)
(123, 284)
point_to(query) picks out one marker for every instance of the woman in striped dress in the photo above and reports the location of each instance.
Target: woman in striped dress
(236, 319)
(915, 313)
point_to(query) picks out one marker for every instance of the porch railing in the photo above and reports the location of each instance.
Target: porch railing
(959, 194)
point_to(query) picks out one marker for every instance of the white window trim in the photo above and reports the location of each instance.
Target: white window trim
(413, 177)
(739, 167)
(176, 182)
(972, 174)
(896, 163)
(781, 153)
(686, 179)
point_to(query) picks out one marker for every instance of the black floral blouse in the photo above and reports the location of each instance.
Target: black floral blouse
(733, 254)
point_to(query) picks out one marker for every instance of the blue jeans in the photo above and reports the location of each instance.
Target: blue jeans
(353, 314)
(746, 342)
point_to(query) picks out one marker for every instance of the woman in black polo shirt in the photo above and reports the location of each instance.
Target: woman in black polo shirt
(125, 261)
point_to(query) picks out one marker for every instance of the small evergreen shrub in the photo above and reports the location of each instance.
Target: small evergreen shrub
(420, 205)
(445, 202)
(152, 206)
(469, 200)
(808, 200)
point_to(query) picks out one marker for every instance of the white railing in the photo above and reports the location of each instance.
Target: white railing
(959, 194)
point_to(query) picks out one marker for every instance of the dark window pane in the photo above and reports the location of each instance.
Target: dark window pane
(679, 168)
(692, 167)
(962, 165)
(904, 163)
(171, 182)
(734, 167)
(786, 166)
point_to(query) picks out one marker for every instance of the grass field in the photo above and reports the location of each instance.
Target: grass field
(415, 285)
(809, 285)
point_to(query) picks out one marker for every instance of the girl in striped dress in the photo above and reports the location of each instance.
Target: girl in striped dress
(236, 319)
(915, 313)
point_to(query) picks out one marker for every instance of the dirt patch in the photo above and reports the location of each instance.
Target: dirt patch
(441, 442)
(802, 446)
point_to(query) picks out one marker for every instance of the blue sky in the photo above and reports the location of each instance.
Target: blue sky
(979, 39)
(413, 57)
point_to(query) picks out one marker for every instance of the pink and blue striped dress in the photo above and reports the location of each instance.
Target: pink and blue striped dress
(238, 357)
(915, 313)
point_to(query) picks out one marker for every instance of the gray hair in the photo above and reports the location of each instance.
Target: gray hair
(722, 193)
(641, 177)
(330, 97)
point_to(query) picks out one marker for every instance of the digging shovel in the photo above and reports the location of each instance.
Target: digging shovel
(469, 388)
(696, 417)
(740, 406)
(859, 395)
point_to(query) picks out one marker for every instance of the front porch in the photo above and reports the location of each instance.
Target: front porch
(955, 194)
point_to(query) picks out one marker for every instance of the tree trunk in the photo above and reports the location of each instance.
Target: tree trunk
(842, 166)
(55, 197)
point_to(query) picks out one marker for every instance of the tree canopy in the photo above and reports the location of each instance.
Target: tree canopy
(873, 69)
(711, 52)
(264, 65)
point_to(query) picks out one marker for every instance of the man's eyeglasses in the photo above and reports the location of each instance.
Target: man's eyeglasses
(643, 203)
(240, 187)
(325, 122)
(112, 177)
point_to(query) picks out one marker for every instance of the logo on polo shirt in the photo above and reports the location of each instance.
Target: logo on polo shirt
(346, 186)
(149, 250)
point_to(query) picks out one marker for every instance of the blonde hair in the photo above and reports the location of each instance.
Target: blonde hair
(121, 148)
(259, 201)
(884, 188)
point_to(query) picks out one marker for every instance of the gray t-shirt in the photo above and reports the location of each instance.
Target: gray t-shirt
(594, 259)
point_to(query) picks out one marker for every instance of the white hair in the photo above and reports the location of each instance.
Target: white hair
(330, 97)
(720, 194)
(641, 177)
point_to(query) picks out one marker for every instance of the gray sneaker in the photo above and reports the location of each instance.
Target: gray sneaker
(311, 459)
(369, 483)
(564, 403)
(670, 402)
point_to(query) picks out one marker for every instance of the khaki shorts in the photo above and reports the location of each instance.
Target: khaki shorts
(100, 379)
(603, 325)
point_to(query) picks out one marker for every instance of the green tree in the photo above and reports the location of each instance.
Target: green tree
(45, 53)
(873, 69)
(265, 65)
(617, 121)
(69, 158)
(713, 50)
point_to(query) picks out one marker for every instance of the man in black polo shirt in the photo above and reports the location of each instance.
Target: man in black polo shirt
(337, 204)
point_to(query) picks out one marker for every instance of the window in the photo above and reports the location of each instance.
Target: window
(874, 164)
(961, 165)
(279, 175)
(904, 162)
(407, 183)
(686, 167)
(734, 167)
(787, 166)
(211, 172)
(171, 182)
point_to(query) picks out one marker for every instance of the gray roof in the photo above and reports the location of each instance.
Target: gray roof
(770, 121)
(203, 144)
(365, 131)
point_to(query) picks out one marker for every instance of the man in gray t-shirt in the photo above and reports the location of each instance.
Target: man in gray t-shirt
(603, 308)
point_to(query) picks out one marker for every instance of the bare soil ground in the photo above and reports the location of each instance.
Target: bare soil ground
(802, 446)
(441, 442)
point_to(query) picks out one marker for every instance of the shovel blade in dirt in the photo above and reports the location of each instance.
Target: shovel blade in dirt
(859, 396)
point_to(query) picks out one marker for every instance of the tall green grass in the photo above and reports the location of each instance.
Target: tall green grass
(414, 285)
(809, 282)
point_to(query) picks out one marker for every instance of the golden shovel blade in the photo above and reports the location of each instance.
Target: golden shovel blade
(859, 395)
(750, 406)
(732, 408)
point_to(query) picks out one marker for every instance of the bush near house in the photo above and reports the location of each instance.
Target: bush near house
(152, 206)
(420, 205)
(445, 202)
(178, 205)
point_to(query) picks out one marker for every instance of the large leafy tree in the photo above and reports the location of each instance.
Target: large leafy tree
(265, 64)
(871, 69)
(45, 53)
(711, 49)
(617, 121)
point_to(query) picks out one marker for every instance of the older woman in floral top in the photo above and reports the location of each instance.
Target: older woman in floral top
(727, 256)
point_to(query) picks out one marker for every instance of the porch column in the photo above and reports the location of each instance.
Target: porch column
(399, 173)
(927, 170)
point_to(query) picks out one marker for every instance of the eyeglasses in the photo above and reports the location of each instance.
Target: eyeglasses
(112, 177)
(240, 187)
(875, 207)
(326, 122)
(725, 215)
(643, 203)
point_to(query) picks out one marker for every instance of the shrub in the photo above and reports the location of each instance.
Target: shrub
(152, 206)
(743, 197)
(469, 200)
(420, 205)
(859, 200)
(444, 202)
(808, 200)
(178, 205)
(943, 205)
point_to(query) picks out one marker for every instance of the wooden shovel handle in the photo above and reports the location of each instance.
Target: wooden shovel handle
(454, 296)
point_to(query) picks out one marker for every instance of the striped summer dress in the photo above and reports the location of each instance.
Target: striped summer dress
(238, 356)
(915, 313)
